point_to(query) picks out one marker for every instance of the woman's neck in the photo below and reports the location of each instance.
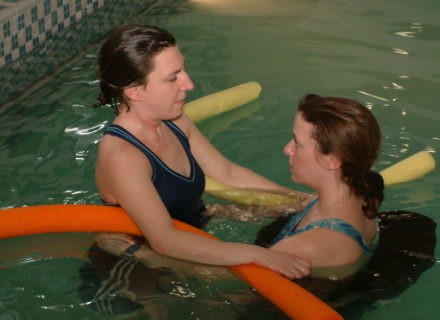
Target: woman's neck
(138, 123)
(333, 197)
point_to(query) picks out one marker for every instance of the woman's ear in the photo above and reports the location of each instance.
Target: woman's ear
(329, 161)
(132, 93)
(333, 162)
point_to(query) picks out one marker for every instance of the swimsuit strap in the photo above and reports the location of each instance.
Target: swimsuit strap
(124, 134)
(293, 222)
(335, 224)
(179, 133)
(343, 227)
(118, 131)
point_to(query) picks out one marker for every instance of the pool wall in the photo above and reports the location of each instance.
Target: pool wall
(38, 36)
(27, 23)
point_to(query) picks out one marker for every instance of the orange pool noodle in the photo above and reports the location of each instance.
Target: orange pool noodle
(292, 299)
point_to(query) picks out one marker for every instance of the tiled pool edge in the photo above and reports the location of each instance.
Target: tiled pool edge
(28, 23)
(73, 33)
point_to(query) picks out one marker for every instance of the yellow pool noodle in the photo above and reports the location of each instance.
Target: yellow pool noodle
(222, 101)
(409, 168)
(251, 197)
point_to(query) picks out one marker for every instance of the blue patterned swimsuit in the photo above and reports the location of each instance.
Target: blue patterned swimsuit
(336, 224)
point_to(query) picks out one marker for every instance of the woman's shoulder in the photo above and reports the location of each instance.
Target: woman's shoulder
(116, 155)
(112, 146)
(322, 247)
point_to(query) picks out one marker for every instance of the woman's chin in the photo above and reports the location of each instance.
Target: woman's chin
(295, 178)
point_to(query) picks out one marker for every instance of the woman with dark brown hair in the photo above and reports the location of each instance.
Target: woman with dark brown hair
(152, 160)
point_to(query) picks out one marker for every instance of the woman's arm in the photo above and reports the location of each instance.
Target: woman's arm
(127, 177)
(218, 167)
(228, 173)
(118, 244)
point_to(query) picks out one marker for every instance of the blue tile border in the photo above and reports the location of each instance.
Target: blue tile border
(27, 23)
(40, 52)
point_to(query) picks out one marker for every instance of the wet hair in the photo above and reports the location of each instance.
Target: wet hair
(126, 59)
(350, 131)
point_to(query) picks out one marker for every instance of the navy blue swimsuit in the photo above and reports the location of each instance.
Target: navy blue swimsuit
(181, 195)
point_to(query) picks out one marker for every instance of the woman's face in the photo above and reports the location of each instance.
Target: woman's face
(303, 153)
(167, 84)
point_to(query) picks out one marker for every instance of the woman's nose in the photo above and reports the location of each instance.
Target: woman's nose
(289, 148)
(187, 84)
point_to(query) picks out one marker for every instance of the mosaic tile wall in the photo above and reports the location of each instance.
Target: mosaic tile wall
(27, 23)
(37, 37)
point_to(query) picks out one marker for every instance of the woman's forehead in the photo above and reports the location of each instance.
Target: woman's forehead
(301, 128)
(168, 60)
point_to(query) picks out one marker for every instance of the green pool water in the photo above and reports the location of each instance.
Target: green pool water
(382, 53)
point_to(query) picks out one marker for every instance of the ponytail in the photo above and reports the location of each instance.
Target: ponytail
(369, 186)
(113, 96)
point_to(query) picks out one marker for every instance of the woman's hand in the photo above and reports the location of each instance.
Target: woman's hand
(286, 264)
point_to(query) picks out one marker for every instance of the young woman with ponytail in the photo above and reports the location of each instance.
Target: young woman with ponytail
(335, 143)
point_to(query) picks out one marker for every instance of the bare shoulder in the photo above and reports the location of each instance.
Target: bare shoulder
(322, 247)
(114, 149)
(117, 163)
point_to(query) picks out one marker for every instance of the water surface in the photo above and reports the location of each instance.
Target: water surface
(382, 53)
